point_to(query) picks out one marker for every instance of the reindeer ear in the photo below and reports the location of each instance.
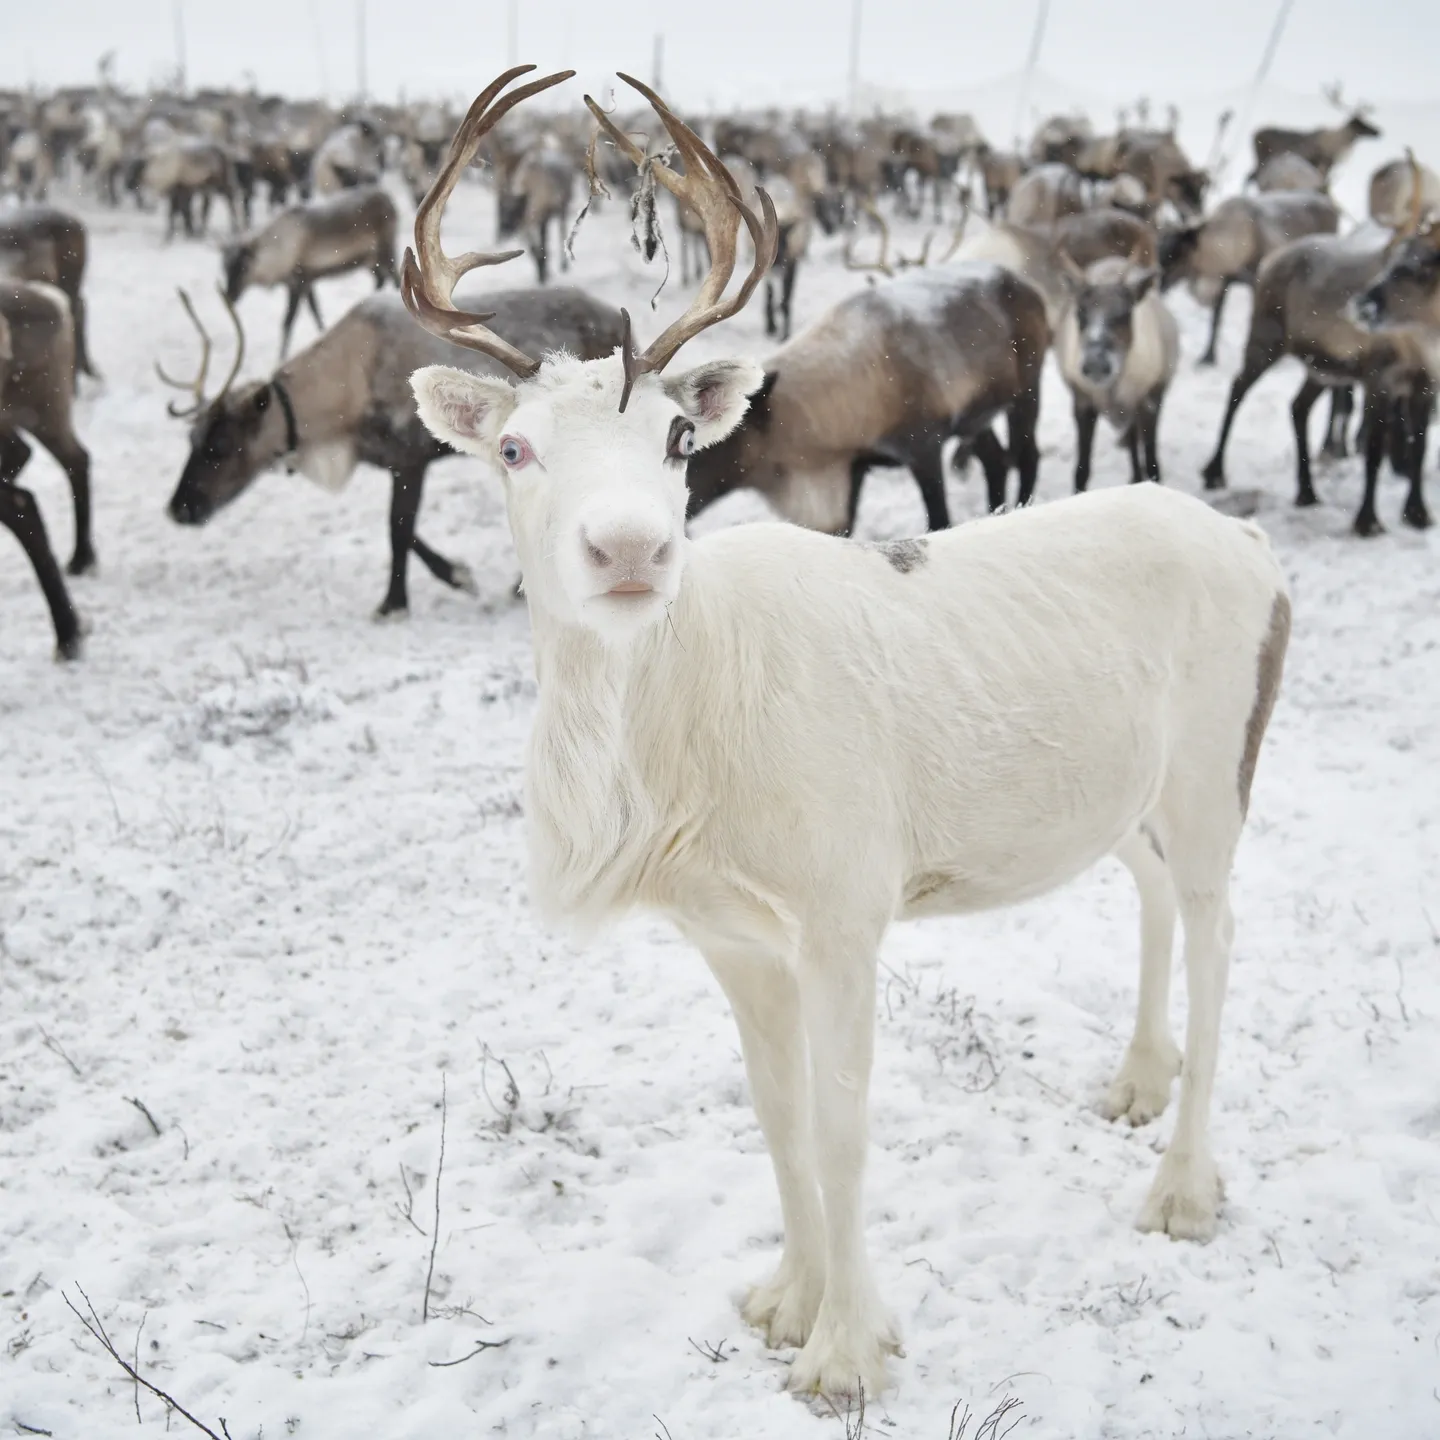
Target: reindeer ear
(463, 410)
(716, 396)
(1138, 282)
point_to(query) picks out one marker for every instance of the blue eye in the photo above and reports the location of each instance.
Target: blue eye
(514, 452)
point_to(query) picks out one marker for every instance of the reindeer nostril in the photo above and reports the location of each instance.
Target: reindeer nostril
(593, 552)
(662, 555)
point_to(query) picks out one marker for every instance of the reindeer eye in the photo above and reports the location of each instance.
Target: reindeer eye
(681, 444)
(514, 452)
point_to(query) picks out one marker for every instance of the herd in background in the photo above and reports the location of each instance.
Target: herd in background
(1069, 245)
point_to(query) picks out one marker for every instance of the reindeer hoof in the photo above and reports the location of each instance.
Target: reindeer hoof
(392, 610)
(1417, 516)
(81, 563)
(1305, 499)
(462, 577)
(1368, 525)
(1214, 476)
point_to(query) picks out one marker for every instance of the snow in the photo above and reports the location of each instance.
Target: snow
(261, 871)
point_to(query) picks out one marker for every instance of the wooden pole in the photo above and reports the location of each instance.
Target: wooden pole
(1267, 58)
(361, 85)
(180, 45)
(857, 15)
(1022, 99)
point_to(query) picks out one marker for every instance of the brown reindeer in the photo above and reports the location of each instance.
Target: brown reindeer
(1289, 172)
(538, 192)
(884, 379)
(1045, 195)
(1400, 189)
(1305, 306)
(49, 246)
(354, 230)
(1324, 147)
(1001, 171)
(346, 399)
(188, 168)
(43, 344)
(1227, 247)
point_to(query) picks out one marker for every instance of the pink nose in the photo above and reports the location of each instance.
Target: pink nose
(631, 558)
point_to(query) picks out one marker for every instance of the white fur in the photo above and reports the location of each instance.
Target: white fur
(799, 743)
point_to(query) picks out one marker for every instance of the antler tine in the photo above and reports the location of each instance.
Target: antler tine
(711, 191)
(427, 285)
(1417, 193)
(883, 263)
(196, 386)
(239, 341)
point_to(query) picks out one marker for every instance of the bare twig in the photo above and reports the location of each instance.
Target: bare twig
(145, 1111)
(295, 1261)
(25, 1429)
(145, 1316)
(989, 1428)
(854, 1416)
(408, 1213)
(711, 1352)
(1400, 990)
(480, 1348)
(663, 1426)
(55, 1047)
(439, 1168)
(96, 1327)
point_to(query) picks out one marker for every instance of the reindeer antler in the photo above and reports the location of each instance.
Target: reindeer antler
(428, 285)
(882, 264)
(196, 387)
(710, 191)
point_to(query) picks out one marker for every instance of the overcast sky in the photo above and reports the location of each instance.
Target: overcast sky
(1385, 50)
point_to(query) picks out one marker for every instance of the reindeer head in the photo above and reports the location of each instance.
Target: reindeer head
(592, 453)
(233, 437)
(1104, 300)
(1408, 290)
(236, 260)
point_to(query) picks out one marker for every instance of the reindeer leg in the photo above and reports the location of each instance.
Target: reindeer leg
(787, 292)
(1300, 409)
(1131, 440)
(1255, 367)
(1149, 423)
(74, 460)
(21, 516)
(988, 450)
(928, 469)
(1023, 415)
(292, 308)
(312, 300)
(406, 487)
(1376, 418)
(1208, 358)
(1342, 402)
(1415, 514)
(1085, 417)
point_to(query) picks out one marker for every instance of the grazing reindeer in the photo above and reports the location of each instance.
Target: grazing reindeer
(1304, 306)
(50, 246)
(354, 230)
(39, 348)
(1118, 347)
(1226, 248)
(346, 400)
(539, 193)
(1106, 234)
(1324, 148)
(741, 733)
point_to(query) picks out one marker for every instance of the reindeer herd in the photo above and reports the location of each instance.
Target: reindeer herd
(739, 731)
(1070, 247)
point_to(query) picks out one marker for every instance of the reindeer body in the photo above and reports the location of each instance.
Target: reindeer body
(1393, 201)
(347, 157)
(538, 195)
(884, 378)
(37, 382)
(354, 230)
(1045, 195)
(1117, 347)
(349, 395)
(50, 246)
(1228, 247)
(1001, 170)
(1324, 148)
(185, 168)
(1304, 306)
(1287, 171)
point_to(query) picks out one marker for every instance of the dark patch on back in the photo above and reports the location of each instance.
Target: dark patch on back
(1268, 670)
(904, 555)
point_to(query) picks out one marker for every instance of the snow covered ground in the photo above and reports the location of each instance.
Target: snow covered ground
(261, 872)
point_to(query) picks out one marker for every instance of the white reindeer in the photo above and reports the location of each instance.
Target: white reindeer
(784, 741)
